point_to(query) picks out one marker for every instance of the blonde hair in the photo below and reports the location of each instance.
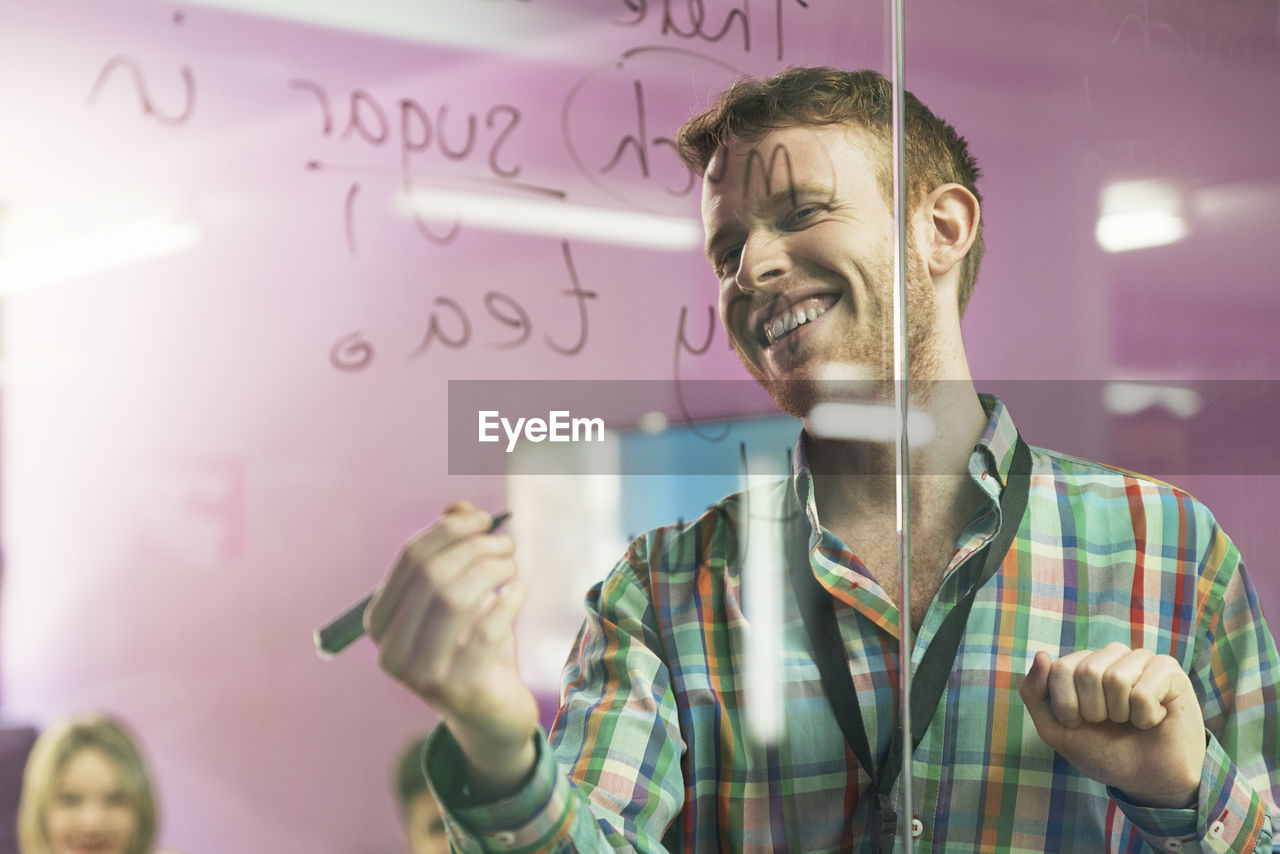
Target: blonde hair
(49, 757)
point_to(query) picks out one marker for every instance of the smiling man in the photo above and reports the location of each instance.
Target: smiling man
(1093, 672)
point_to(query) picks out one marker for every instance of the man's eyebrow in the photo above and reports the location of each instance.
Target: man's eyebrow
(790, 195)
(714, 240)
(721, 236)
(793, 192)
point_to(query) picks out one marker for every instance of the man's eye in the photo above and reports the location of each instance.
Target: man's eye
(729, 261)
(802, 213)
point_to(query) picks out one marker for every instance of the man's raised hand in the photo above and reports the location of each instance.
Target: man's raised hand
(443, 619)
(1128, 718)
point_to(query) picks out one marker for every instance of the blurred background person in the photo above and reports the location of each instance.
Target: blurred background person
(86, 789)
(420, 816)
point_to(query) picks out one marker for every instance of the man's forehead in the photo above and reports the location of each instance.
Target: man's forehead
(783, 163)
(785, 157)
(805, 143)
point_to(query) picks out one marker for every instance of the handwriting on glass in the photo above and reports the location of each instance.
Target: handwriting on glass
(173, 116)
(462, 138)
(449, 325)
(693, 20)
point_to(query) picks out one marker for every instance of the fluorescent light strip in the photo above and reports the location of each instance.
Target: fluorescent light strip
(509, 30)
(555, 219)
(762, 600)
(1127, 398)
(868, 422)
(82, 254)
(1140, 214)
(1129, 230)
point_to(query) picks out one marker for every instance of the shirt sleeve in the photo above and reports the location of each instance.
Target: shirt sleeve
(1235, 670)
(609, 778)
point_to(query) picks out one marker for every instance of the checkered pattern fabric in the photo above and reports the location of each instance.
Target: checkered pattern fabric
(651, 750)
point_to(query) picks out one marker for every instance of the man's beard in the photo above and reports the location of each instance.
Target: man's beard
(861, 368)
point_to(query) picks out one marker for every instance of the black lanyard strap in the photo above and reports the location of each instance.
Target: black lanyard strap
(818, 609)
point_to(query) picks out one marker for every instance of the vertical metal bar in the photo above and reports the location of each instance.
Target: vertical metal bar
(902, 404)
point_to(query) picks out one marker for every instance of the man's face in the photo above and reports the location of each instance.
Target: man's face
(801, 239)
(424, 826)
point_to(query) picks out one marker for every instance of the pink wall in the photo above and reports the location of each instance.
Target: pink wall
(190, 483)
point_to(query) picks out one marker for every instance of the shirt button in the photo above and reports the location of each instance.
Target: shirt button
(1217, 830)
(917, 828)
(505, 838)
(1172, 845)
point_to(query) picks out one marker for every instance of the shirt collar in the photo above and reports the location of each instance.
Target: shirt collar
(993, 454)
(801, 474)
(998, 440)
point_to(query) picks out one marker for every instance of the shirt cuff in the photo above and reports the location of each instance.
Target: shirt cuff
(524, 821)
(1228, 816)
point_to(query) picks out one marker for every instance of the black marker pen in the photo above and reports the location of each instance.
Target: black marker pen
(340, 632)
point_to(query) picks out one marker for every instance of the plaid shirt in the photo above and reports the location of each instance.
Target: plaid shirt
(650, 750)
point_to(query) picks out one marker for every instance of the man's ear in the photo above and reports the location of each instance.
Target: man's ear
(952, 214)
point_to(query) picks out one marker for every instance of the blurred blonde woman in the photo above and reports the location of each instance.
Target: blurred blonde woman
(86, 789)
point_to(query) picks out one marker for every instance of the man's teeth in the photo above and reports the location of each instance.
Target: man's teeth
(781, 324)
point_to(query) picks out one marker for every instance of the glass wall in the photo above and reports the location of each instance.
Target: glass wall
(245, 247)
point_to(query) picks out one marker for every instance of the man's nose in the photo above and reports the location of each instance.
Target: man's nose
(764, 262)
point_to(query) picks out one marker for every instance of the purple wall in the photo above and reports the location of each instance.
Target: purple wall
(208, 451)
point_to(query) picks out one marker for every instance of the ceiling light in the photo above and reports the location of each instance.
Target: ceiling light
(1140, 214)
(553, 218)
(81, 252)
(868, 422)
(1128, 398)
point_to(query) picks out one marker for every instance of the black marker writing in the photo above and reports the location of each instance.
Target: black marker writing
(513, 118)
(351, 353)
(695, 13)
(416, 131)
(433, 328)
(349, 216)
(608, 120)
(367, 118)
(683, 343)
(581, 296)
(412, 195)
(133, 68)
(639, 143)
(452, 325)
(756, 160)
(803, 4)
(416, 128)
(682, 336)
(498, 304)
(322, 98)
(457, 153)
(690, 19)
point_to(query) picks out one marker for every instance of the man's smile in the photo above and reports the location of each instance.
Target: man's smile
(778, 320)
